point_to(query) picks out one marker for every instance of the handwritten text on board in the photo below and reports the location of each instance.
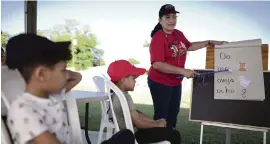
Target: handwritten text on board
(225, 82)
(244, 81)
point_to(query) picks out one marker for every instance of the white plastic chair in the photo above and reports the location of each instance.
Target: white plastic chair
(125, 108)
(73, 118)
(13, 80)
(5, 138)
(5, 101)
(105, 122)
(12, 85)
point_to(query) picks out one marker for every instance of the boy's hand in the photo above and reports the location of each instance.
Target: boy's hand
(161, 123)
(73, 79)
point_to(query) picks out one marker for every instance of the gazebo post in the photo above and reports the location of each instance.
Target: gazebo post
(30, 16)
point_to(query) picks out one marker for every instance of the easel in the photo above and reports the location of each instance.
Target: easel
(229, 128)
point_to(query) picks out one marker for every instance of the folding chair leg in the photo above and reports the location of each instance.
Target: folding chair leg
(109, 132)
(100, 135)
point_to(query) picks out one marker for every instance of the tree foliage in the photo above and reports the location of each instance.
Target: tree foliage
(4, 38)
(84, 43)
(84, 51)
(133, 61)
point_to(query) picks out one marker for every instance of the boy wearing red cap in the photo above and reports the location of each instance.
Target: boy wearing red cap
(147, 130)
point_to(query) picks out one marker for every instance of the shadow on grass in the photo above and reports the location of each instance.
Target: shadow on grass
(190, 131)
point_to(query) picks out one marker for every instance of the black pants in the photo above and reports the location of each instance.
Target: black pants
(122, 137)
(166, 101)
(158, 134)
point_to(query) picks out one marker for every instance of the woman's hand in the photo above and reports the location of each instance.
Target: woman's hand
(189, 73)
(201, 44)
(73, 79)
(212, 43)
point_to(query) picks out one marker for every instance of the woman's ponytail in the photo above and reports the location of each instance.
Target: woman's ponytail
(157, 28)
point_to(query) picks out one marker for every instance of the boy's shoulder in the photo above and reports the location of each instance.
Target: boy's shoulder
(31, 104)
(21, 107)
(28, 106)
(125, 93)
(29, 113)
(128, 97)
(23, 102)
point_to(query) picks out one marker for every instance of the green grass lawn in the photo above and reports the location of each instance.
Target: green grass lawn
(190, 131)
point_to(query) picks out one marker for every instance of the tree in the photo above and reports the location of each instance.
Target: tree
(84, 51)
(102, 62)
(4, 38)
(98, 60)
(133, 61)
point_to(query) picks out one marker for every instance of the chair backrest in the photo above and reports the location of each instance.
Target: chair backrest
(13, 85)
(99, 83)
(100, 86)
(73, 118)
(5, 102)
(123, 102)
(5, 138)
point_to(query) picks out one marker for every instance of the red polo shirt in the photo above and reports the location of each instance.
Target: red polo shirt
(160, 51)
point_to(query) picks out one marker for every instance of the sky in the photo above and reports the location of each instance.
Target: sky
(122, 27)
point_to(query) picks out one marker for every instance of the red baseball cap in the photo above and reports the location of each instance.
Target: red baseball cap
(122, 68)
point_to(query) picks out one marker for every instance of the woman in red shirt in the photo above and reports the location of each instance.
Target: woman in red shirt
(168, 55)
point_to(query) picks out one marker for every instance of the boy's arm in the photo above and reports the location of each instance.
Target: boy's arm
(145, 117)
(46, 138)
(140, 122)
(74, 79)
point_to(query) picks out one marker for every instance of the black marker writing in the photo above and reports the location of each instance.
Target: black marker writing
(222, 68)
(229, 90)
(244, 93)
(227, 81)
(223, 56)
(225, 90)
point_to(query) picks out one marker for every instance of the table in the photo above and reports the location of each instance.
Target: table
(85, 97)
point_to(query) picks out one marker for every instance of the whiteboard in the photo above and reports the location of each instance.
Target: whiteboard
(245, 81)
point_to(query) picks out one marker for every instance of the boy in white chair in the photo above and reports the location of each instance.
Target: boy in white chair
(147, 130)
(38, 115)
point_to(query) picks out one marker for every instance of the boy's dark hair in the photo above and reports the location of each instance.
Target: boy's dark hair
(25, 52)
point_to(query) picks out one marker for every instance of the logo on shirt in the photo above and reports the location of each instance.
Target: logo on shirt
(182, 48)
(178, 50)
(174, 48)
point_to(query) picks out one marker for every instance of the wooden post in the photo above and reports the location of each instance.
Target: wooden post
(30, 17)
